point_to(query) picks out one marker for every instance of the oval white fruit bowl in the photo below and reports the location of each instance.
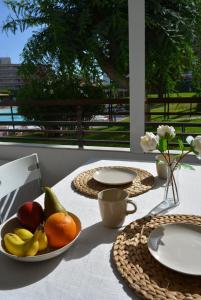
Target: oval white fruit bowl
(12, 223)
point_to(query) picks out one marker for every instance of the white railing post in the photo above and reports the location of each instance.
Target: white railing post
(136, 9)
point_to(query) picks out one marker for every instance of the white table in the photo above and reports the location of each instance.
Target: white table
(86, 271)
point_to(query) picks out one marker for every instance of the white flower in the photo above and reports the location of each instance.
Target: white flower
(149, 142)
(189, 139)
(165, 130)
(197, 144)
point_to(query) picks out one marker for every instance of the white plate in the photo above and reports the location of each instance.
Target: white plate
(12, 223)
(178, 247)
(114, 176)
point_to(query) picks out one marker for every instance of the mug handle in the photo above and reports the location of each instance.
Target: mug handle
(134, 205)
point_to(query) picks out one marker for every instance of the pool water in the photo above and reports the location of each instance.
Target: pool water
(7, 110)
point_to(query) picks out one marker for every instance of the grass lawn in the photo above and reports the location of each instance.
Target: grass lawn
(175, 95)
(113, 134)
(186, 108)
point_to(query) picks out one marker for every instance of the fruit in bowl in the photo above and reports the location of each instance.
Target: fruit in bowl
(51, 203)
(60, 229)
(30, 215)
(10, 226)
(38, 234)
(23, 243)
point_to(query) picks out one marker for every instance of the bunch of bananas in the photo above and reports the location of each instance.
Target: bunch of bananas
(24, 243)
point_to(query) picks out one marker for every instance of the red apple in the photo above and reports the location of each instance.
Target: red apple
(30, 215)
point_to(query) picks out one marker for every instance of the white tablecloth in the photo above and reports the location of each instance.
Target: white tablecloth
(86, 270)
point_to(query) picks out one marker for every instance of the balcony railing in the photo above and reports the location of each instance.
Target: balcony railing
(81, 129)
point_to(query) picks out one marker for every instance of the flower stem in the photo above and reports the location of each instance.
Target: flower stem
(171, 181)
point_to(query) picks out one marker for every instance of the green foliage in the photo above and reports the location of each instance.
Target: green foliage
(181, 145)
(172, 32)
(84, 37)
(163, 144)
(5, 91)
(45, 87)
(187, 166)
(90, 37)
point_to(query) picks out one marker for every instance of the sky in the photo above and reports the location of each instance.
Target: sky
(11, 45)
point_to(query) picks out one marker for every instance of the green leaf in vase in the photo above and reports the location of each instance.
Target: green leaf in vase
(187, 166)
(181, 145)
(162, 144)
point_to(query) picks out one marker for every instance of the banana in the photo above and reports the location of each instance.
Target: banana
(42, 238)
(39, 234)
(31, 247)
(23, 233)
(16, 246)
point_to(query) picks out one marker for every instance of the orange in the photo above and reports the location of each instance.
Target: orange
(60, 229)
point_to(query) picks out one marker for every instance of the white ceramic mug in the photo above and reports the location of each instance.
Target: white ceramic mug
(113, 206)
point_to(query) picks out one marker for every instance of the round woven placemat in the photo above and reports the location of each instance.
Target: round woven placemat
(85, 184)
(148, 278)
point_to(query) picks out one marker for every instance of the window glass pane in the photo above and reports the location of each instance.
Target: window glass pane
(173, 66)
(74, 71)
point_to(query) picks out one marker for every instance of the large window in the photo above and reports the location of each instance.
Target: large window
(173, 65)
(75, 73)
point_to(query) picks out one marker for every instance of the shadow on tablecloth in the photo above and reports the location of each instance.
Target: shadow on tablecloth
(89, 239)
(16, 274)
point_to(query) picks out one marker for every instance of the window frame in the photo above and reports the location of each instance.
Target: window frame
(136, 16)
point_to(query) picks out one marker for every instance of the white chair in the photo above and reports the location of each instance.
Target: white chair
(20, 181)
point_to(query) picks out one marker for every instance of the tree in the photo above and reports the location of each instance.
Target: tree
(88, 37)
(44, 85)
(76, 36)
(172, 33)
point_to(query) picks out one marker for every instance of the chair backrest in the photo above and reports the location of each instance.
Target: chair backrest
(13, 176)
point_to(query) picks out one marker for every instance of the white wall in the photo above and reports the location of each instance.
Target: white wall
(58, 161)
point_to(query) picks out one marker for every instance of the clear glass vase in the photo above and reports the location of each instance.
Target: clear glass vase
(171, 194)
(171, 191)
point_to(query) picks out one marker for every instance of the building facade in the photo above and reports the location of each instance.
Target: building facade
(9, 77)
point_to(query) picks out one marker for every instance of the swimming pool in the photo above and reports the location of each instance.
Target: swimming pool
(7, 110)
